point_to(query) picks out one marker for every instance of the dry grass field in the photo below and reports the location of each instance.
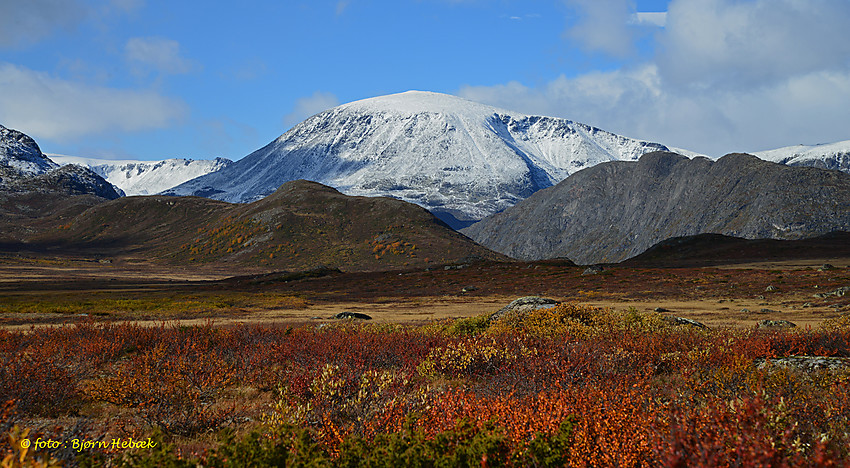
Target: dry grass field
(60, 292)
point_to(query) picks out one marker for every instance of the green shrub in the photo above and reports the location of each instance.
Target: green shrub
(465, 445)
(282, 446)
(468, 326)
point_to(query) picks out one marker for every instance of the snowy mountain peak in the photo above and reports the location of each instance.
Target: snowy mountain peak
(460, 159)
(21, 153)
(417, 102)
(825, 156)
(146, 177)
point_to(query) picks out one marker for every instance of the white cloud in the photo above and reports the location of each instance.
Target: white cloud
(28, 21)
(603, 26)
(653, 18)
(726, 76)
(309, 106)
(49, 107)
(159, 53)
(808, 109)
(24, 22)
(733, 44)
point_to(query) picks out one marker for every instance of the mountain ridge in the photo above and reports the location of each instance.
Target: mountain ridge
(615, 210)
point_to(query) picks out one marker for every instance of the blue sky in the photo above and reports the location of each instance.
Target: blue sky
(146, 79)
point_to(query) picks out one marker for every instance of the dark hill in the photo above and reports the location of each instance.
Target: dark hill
(36, 194)
(302, 225)
(717, 249)
(616, 210)
(30, 204)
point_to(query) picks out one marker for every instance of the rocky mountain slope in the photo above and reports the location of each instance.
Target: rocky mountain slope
(616, 210)
(302, 225)
(25, 169)
(146, 177)
(459, 159)
(21, 154)
(66, 181)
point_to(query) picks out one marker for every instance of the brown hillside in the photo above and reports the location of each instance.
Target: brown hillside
(302, 225)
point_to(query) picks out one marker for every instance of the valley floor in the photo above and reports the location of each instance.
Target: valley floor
(60, 291)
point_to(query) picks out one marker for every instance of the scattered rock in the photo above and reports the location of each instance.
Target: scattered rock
(593, 270)
(807, 305)
(468, 289)
(771, 288)
(840, 292)
(826, 267)
(804, 363)
(760, 297)
(661, 309)
(745, 311)
(769, 311)
(455, 267)
(525, 304)
(683, 321)
(776, 324)
(351, 315)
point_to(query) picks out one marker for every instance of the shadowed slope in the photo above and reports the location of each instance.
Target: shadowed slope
(615, 210)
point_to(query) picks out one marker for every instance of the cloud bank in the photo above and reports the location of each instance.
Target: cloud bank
(725, 76)
(48, 107)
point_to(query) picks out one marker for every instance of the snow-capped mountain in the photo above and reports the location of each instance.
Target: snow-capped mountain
(146, 177)
(458, 158)
(825, 156)
(21, 153)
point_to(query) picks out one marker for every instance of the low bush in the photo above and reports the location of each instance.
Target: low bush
(567, 386)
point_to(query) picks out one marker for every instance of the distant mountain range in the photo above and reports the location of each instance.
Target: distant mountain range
(545, 187)
(72, 211)
(459, 159)
(615, 210)
(825, 156)
(146, 177)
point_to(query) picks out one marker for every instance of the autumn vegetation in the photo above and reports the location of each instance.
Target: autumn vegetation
(567, 386)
